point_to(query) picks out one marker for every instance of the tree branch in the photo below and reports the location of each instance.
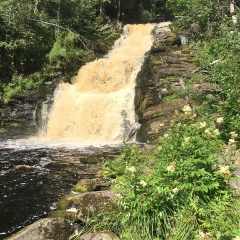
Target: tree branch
(80, 38)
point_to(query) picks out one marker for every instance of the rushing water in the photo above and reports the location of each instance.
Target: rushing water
(99, 105)
(97, 109)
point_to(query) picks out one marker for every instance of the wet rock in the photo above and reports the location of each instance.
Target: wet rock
(87, 185)
(157, 83)
(87, 205)
(55, 228)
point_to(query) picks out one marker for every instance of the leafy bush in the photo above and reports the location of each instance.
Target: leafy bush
(67, 54)
(189, 171)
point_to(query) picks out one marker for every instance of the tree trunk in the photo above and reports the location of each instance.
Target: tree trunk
(102, 9)
(119, 9)
(232, 11)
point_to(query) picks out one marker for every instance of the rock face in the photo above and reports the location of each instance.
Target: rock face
(58, 229)
(159, 83)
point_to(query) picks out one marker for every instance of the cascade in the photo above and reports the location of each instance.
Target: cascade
(99, 104)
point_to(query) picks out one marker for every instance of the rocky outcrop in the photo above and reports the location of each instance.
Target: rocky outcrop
(159, 92)
(47, 228)
(85, 205)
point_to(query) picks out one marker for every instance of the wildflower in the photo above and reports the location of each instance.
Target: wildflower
(237, 238)
(161, 124)
(166, 135)
(203, 124)
(233, 135)
(175, 190)
(186, 141)
(208, 133)
(231, 141)
(225, 171)
(203, 235)
(220, 120)
(131, 169)
(143, 183)
(159, 148)
(187, 110)
(179, 124)
(171, 167)
(216, 132)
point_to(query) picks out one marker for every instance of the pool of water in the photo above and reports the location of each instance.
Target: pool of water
(33, 177)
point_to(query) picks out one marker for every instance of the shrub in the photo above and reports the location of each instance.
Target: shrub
(189, 171)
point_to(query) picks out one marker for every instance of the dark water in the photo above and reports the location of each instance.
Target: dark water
(33, 177)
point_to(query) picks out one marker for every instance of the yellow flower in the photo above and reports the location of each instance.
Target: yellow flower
(143, 183)
(203, 124)
(171, 167)
(161, 124)
(220, 120)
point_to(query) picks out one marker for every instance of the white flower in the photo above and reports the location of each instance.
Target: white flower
(166, 135)
(216, 132)
(143, 183)
(203, 124)
(224, 169)
(233, 135)
(171, 167)
(131, 169)
(159, 148)
(226, 172)
(161, 124)
(175, 190)
(237, 238)
(179, 124)
(231, 141)
(186, 141)
(207, 132)
(220, 120)
(187, 110)
(204, 236)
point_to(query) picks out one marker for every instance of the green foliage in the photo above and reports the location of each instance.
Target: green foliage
(67, 55)
(220, 58)
(204, 18)
(20, 84)
(189, 172)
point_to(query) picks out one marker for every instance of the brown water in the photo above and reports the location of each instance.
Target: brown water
(98, 107)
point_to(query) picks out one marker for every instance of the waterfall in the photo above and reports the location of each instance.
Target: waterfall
(99, 104)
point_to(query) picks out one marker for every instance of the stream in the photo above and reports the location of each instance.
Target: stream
(33, 177)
